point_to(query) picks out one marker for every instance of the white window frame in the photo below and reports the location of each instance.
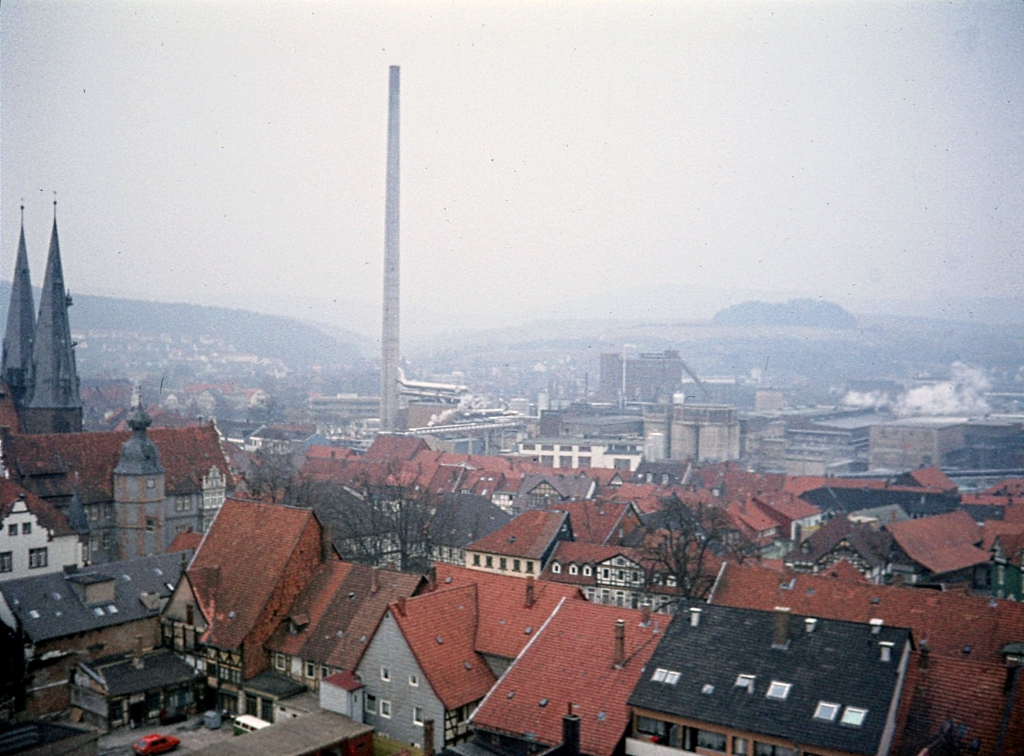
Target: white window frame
(778, 691)
(414, 679)
(311, 670)
(417, 715)
(279, 662)
(385, 709)
(827, 712)
(556, 568)
(853, 716)
(385, 674)
(573, 569)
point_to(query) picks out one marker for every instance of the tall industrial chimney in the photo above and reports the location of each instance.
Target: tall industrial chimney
(389, 344)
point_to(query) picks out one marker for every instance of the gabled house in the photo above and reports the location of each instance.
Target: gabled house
(740, 681)
(940, 549)
(613, 575)
(601, 522)
(63, 618)
(422, 664)
(459, 519)
(583, 661)
(242, 583)
(331, 622)
(36, 537)
(539, 491)
(796, 517)
(523, 546)
(1005, 543)
(864, 546)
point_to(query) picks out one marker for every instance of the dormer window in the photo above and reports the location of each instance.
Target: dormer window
(827, 711)
(556, 568)
(778, 690)
(586, 570)
(745, 681)
(573, 569)
(853, 717)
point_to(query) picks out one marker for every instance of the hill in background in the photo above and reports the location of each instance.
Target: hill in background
(807, 313)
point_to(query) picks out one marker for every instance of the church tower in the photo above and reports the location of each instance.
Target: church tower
(55, 405)
(16, 366)
(139, 490)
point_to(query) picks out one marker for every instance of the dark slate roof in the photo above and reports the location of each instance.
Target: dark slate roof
(274, 683)
(58, 617)
(139, 455)
(461, 518)
(839, 663)
(121, 677)
(915, 503)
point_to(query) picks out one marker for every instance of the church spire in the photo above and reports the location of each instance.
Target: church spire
(55, 405)
(16, 367)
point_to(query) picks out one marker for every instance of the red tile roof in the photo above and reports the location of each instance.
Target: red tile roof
(329, 452)
(788, 506)
(571, 661)
(343, 604)
(948, 620)
(943, 543)
(932, 477)
(440, 628)
(47, 515)
(599, 521)
(527, 536)
(749, 518)
(504, 615)
(387, 447)
(187, 540)
(51, 463)
(961, 693)
(343, 680)
(241, 561)
(8, 411)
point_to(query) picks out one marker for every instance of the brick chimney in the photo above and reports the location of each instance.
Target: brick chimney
(529, 591)
(645, 615)
(374, 580)
(620, 644)
(326, 543)
(570, 734)
(428, 737)
(137, 661)
(432, 578)
(780, 628)
(401, 605)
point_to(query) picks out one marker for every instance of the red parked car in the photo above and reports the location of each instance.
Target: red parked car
(155, 743)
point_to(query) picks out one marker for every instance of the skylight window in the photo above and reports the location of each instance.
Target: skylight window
(98, 611)
(778, 690)
(33, 614)
(827, 712)
(112, 608)
(708, 689)
(659, 675)
(671, 678)
(853, 716)
(745, 681)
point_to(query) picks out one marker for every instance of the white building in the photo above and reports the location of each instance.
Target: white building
(609, 453)
(35, 538)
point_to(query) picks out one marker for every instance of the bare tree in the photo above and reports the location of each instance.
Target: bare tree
(684, 544)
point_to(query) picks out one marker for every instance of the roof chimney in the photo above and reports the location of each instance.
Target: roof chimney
(401, 605)
(780, 628)
(645, 615)
(137, 659)
(694, 616)
(810, 624)
(374, 580)
(432, 578)
(529, 591)
(620, 644)
(876, 625)
(570, 734)
(326, 543)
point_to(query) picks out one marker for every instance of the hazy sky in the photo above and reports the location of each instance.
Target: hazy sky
(234, 152)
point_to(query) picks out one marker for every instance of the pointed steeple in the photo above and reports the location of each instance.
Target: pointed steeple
(16, 367)
(54, 377)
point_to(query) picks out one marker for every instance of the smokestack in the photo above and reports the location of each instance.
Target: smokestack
(620, 643)
(389, 343)
(529, 591)
(428, 737)
(780, 629)
(570, 734)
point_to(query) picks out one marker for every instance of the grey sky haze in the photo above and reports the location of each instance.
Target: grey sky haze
(233, 152)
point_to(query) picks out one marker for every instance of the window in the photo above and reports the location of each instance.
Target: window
(150, 524)
(713, 741)
(151, 483)
(502, 563)
(490, 562)
(26, 528)
(12, 530)
(370, 703)
(414, 680)
(476, 560)
(586, 570)
(573, 569)
(6, 561)
(310, 670)
(853, 716)
(547, 459)
(778, 690)
(826, 711)
(37, 558)
(529, 447)
(565, 461)
(584, 462)
(739, 746)
(605, 573)
(417, 715)
(529, 568)
(516, 565)
(385, 709)
(385, 674)
(556, 568)
(547, 447)
(324, 672)
(279, 662)
(745, 681)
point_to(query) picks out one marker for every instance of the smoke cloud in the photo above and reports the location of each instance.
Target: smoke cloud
(962, 394)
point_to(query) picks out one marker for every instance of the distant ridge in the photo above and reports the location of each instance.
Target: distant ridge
(808, 313)
(295, 342)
